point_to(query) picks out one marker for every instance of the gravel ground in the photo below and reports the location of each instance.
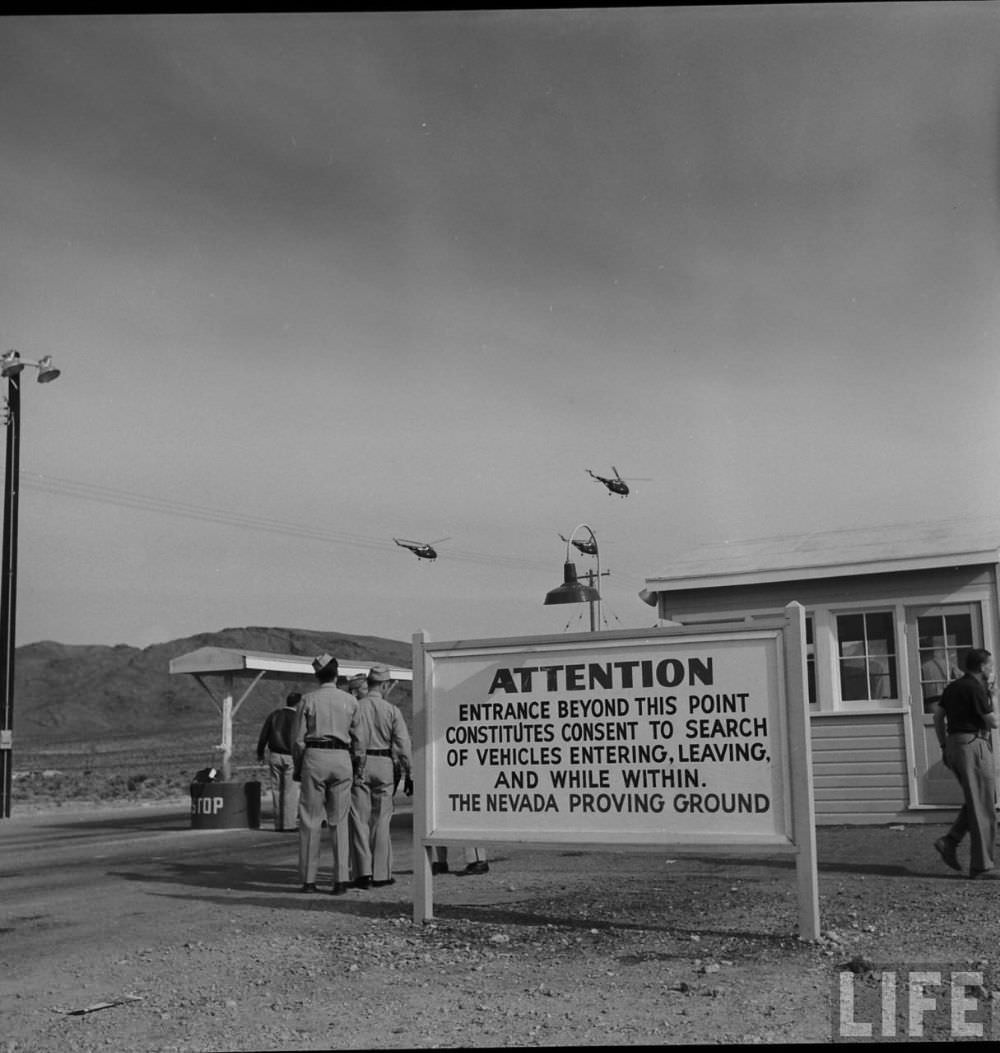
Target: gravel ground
(551, 948)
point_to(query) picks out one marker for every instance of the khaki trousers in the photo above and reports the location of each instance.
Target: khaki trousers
(970, 757)
(371, 819)
(325, 794)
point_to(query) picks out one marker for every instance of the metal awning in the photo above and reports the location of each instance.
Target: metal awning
(231, 664)
(249, 663)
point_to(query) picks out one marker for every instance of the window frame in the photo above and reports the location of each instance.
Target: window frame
(825, 656)
(867, 656)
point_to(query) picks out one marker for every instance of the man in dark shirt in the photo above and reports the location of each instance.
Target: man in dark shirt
(963, 719)
(276, 738)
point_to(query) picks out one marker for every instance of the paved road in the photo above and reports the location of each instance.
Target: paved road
(121, 874)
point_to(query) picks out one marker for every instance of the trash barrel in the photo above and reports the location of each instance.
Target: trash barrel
(219, 804)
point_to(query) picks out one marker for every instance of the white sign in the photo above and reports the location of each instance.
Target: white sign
(681, 737)
(639, 741)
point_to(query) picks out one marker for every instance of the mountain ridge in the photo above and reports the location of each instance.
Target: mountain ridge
(89, 691)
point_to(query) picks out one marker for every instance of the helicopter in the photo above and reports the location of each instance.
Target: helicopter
(588, 548)
(615, 486)
(421, 549)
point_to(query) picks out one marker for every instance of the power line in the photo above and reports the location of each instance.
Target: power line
(170, 506)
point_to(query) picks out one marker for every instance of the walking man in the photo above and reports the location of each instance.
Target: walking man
(963, 720)
(387, 752)
(276, 737)
(328, 745)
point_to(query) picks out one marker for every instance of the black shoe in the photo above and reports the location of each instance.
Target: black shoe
(946, 850)
(476, 868)
(340, 888)
(439, 867)
(364, 882)
(382, 884)
(309, 886)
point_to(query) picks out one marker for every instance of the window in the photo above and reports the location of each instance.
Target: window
(866, 650)
(942, 639)
(810, 661)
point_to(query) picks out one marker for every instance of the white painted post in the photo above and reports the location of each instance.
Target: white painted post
(800, 763)
(227, 729)
(423, 882)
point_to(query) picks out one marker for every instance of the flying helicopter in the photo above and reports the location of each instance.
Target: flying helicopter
(421, 549)
(588, 548)
(615, 486)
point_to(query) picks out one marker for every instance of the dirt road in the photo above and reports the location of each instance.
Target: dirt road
(124, 929)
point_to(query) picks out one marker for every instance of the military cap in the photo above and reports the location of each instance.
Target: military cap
(322, 662)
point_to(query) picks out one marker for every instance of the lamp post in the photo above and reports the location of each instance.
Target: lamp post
(11, 366)
(571, 590)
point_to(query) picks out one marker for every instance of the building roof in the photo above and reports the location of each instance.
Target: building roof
(833, 553)
(208, 660)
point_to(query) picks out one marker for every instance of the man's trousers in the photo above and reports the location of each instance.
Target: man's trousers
(284, 791)
(371, 817)
(970, 757)
(325, 794)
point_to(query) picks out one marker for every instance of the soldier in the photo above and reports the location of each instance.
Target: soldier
(475, 861)
(358, 685)
(387, 754)
(329, 746)
(276, 738)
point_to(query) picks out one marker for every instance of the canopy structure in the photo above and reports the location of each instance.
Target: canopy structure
(232, 664)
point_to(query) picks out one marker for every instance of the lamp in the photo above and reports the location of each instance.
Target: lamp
(46, 371)
(11, 364)
(11, 367)
(572, 590)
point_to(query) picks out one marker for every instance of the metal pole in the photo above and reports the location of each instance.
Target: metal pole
(8, 594)
(590, 603)
(593, 577)
(597, 557)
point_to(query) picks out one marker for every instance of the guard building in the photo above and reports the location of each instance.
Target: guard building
(889, 612)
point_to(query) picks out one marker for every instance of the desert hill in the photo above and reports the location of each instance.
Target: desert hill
(68, 692)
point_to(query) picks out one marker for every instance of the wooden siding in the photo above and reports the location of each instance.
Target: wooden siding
(859, 768)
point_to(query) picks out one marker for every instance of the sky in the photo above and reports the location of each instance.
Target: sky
(315, 281)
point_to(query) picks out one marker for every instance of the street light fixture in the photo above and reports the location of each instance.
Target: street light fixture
(11, 367)
(572, 590)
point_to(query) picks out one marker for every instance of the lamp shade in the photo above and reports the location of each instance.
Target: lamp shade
(46, 371)
(10, 364)
(571, 590)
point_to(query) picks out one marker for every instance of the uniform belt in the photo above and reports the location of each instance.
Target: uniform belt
(326, 744)
(379, 753)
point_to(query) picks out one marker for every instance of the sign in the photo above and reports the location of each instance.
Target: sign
(675, 737)
(643, 741)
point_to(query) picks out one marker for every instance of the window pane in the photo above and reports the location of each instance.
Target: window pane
(851, 634)
(959, 631)
(867, 645)
(881, 635)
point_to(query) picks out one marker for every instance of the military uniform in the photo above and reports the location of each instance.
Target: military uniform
(327, 736)
(387, 750)
(475, 861)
